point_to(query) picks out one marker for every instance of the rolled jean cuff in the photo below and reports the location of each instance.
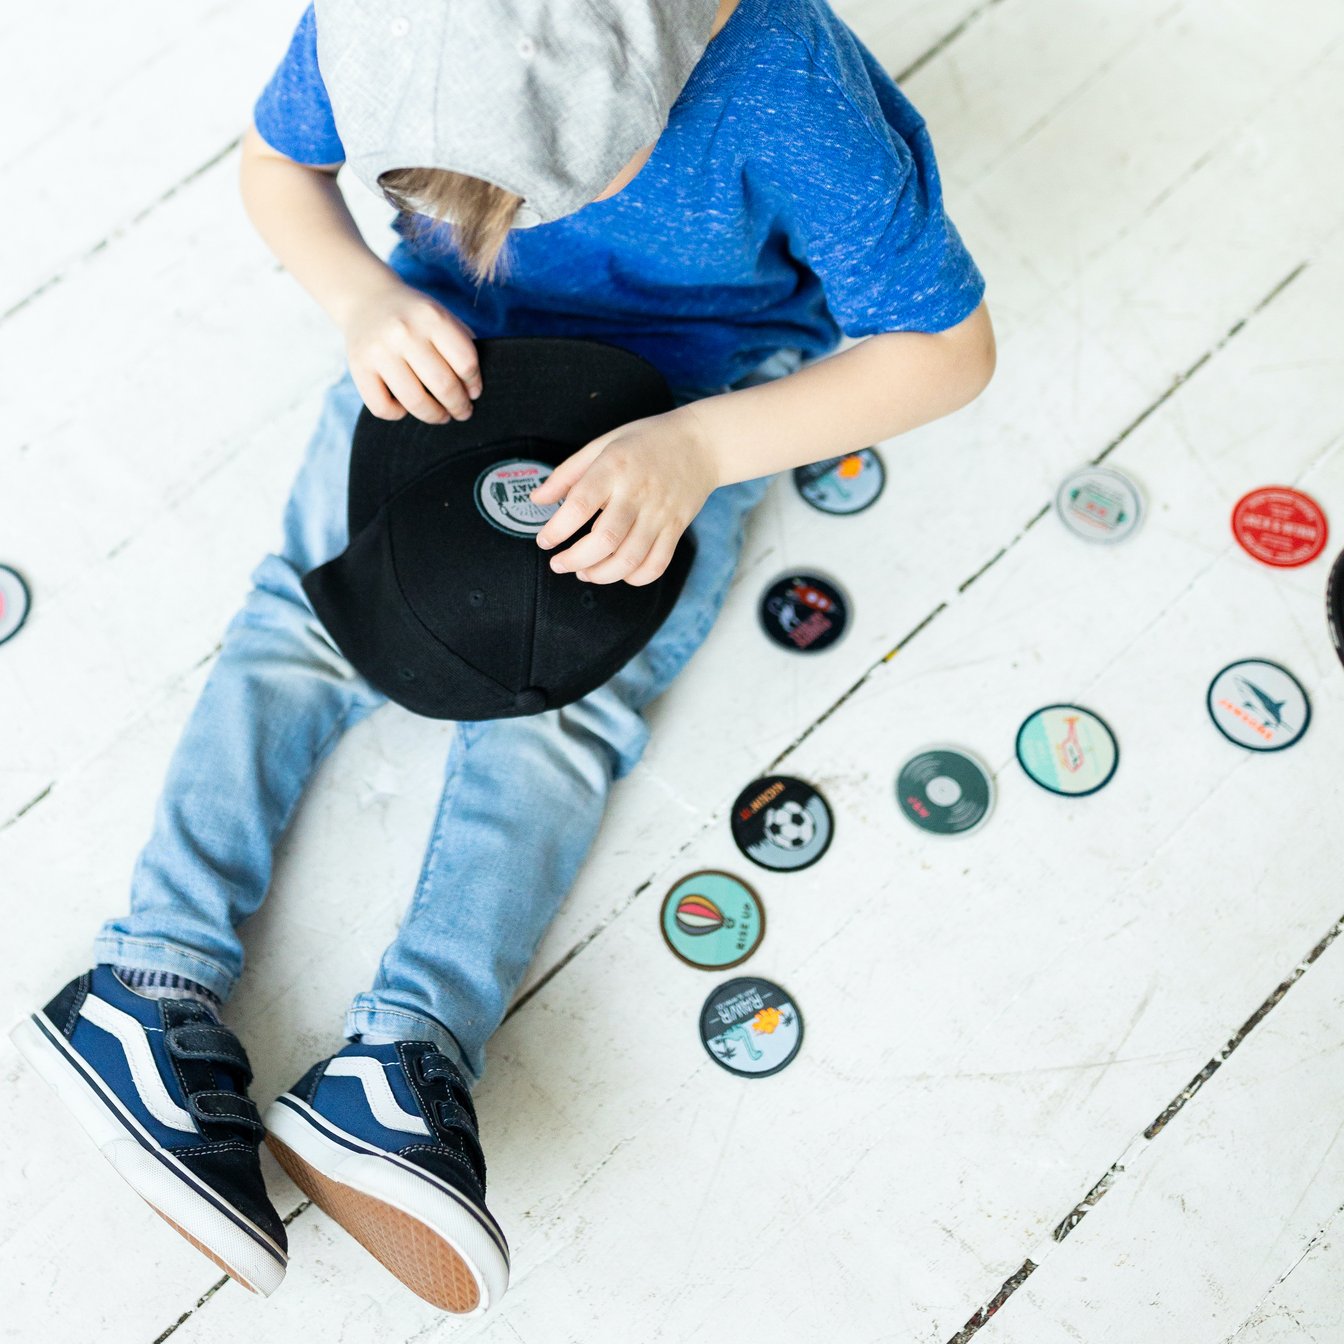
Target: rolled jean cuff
(151, 954)
(403, 1026)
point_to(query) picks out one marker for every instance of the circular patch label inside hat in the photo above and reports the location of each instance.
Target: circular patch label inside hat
(712, 920)
(842, 485)
(1099, 504)
(502, 492)
(1258, 705)
(751, 1026)
(782, 823)
(1067, 749)
(944, 791)
(1279, 526)
(14, 602)
(804, 613)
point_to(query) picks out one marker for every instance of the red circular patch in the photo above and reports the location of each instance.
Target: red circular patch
(1279, 526)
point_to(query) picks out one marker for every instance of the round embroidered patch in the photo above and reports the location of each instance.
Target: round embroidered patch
(945, 791)
(804, 612)
(502, 492)
(1280, 526)
(1099, 504)
(842, 485)
(712, 920)
(1258, 705)
(781, 823)
(751, 1027)
(1068, 750)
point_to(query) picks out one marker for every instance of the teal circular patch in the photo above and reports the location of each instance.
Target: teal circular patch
(712, 920)
(1068, 750)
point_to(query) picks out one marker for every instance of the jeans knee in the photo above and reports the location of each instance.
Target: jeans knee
(607, 718)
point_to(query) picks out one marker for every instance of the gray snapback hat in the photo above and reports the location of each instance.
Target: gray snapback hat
(548, 99)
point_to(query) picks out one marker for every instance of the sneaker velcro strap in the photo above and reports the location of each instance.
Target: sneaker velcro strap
(228, 1108)
(208, 1041)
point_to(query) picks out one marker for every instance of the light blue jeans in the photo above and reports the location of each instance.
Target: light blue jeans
(522, 797)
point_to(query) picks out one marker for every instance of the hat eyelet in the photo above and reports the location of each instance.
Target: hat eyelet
(400, 26)
(527, 49)
(588, 599)
(476, 597)
(407, 674)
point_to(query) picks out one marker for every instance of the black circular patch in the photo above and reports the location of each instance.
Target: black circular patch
(751, 1027)
(804, 613)
(781, 823)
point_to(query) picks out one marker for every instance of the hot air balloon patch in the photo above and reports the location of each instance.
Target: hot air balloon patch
(712, 920)
(781, 823)
(751, 1027)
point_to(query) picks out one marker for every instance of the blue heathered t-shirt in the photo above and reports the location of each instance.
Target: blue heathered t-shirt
(793, 196)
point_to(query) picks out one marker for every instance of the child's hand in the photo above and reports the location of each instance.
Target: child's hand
(649, 479)
(407, 353)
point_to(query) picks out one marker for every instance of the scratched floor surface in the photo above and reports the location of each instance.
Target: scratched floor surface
(1075, 1077)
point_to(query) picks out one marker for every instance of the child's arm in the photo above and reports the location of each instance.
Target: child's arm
(406, 352)
(881, 387)
(651, 477)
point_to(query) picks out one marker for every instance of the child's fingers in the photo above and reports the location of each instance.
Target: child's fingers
(375, 395)
(439, 380)
(557, 484)
(611, 529)
(657, 560)
(410, 392)
(454, 343)
(624, 559)
(581, 503)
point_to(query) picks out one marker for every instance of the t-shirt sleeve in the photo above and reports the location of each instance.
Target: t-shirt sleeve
(862, 204)
(293, 114)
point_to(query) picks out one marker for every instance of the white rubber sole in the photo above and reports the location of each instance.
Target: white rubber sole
(439, 1243)
(218, 1230)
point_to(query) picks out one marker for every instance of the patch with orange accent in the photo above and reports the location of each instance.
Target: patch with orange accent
(842, 485)
(751, 1027)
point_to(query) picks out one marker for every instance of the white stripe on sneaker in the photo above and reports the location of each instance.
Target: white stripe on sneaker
(387, 1110)
(140, 1059)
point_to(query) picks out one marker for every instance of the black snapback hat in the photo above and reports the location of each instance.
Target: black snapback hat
(442, 600)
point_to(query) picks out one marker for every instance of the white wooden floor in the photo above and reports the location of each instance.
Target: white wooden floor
(996, 1026)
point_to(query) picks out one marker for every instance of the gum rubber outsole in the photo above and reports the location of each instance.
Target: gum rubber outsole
(415, 1253)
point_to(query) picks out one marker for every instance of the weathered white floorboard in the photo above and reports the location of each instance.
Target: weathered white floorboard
(1305, 1306)
(1231, 1195)
(1030, 1014)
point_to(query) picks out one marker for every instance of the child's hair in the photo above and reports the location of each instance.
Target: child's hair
(481, 212)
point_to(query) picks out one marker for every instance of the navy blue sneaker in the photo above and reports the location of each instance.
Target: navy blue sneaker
(383, 1137)
(161, 1087)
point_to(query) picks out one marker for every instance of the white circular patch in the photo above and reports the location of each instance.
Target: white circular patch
(1259, 705)
(502, 492)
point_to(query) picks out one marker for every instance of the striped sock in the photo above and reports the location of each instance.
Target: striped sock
(167, 985)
